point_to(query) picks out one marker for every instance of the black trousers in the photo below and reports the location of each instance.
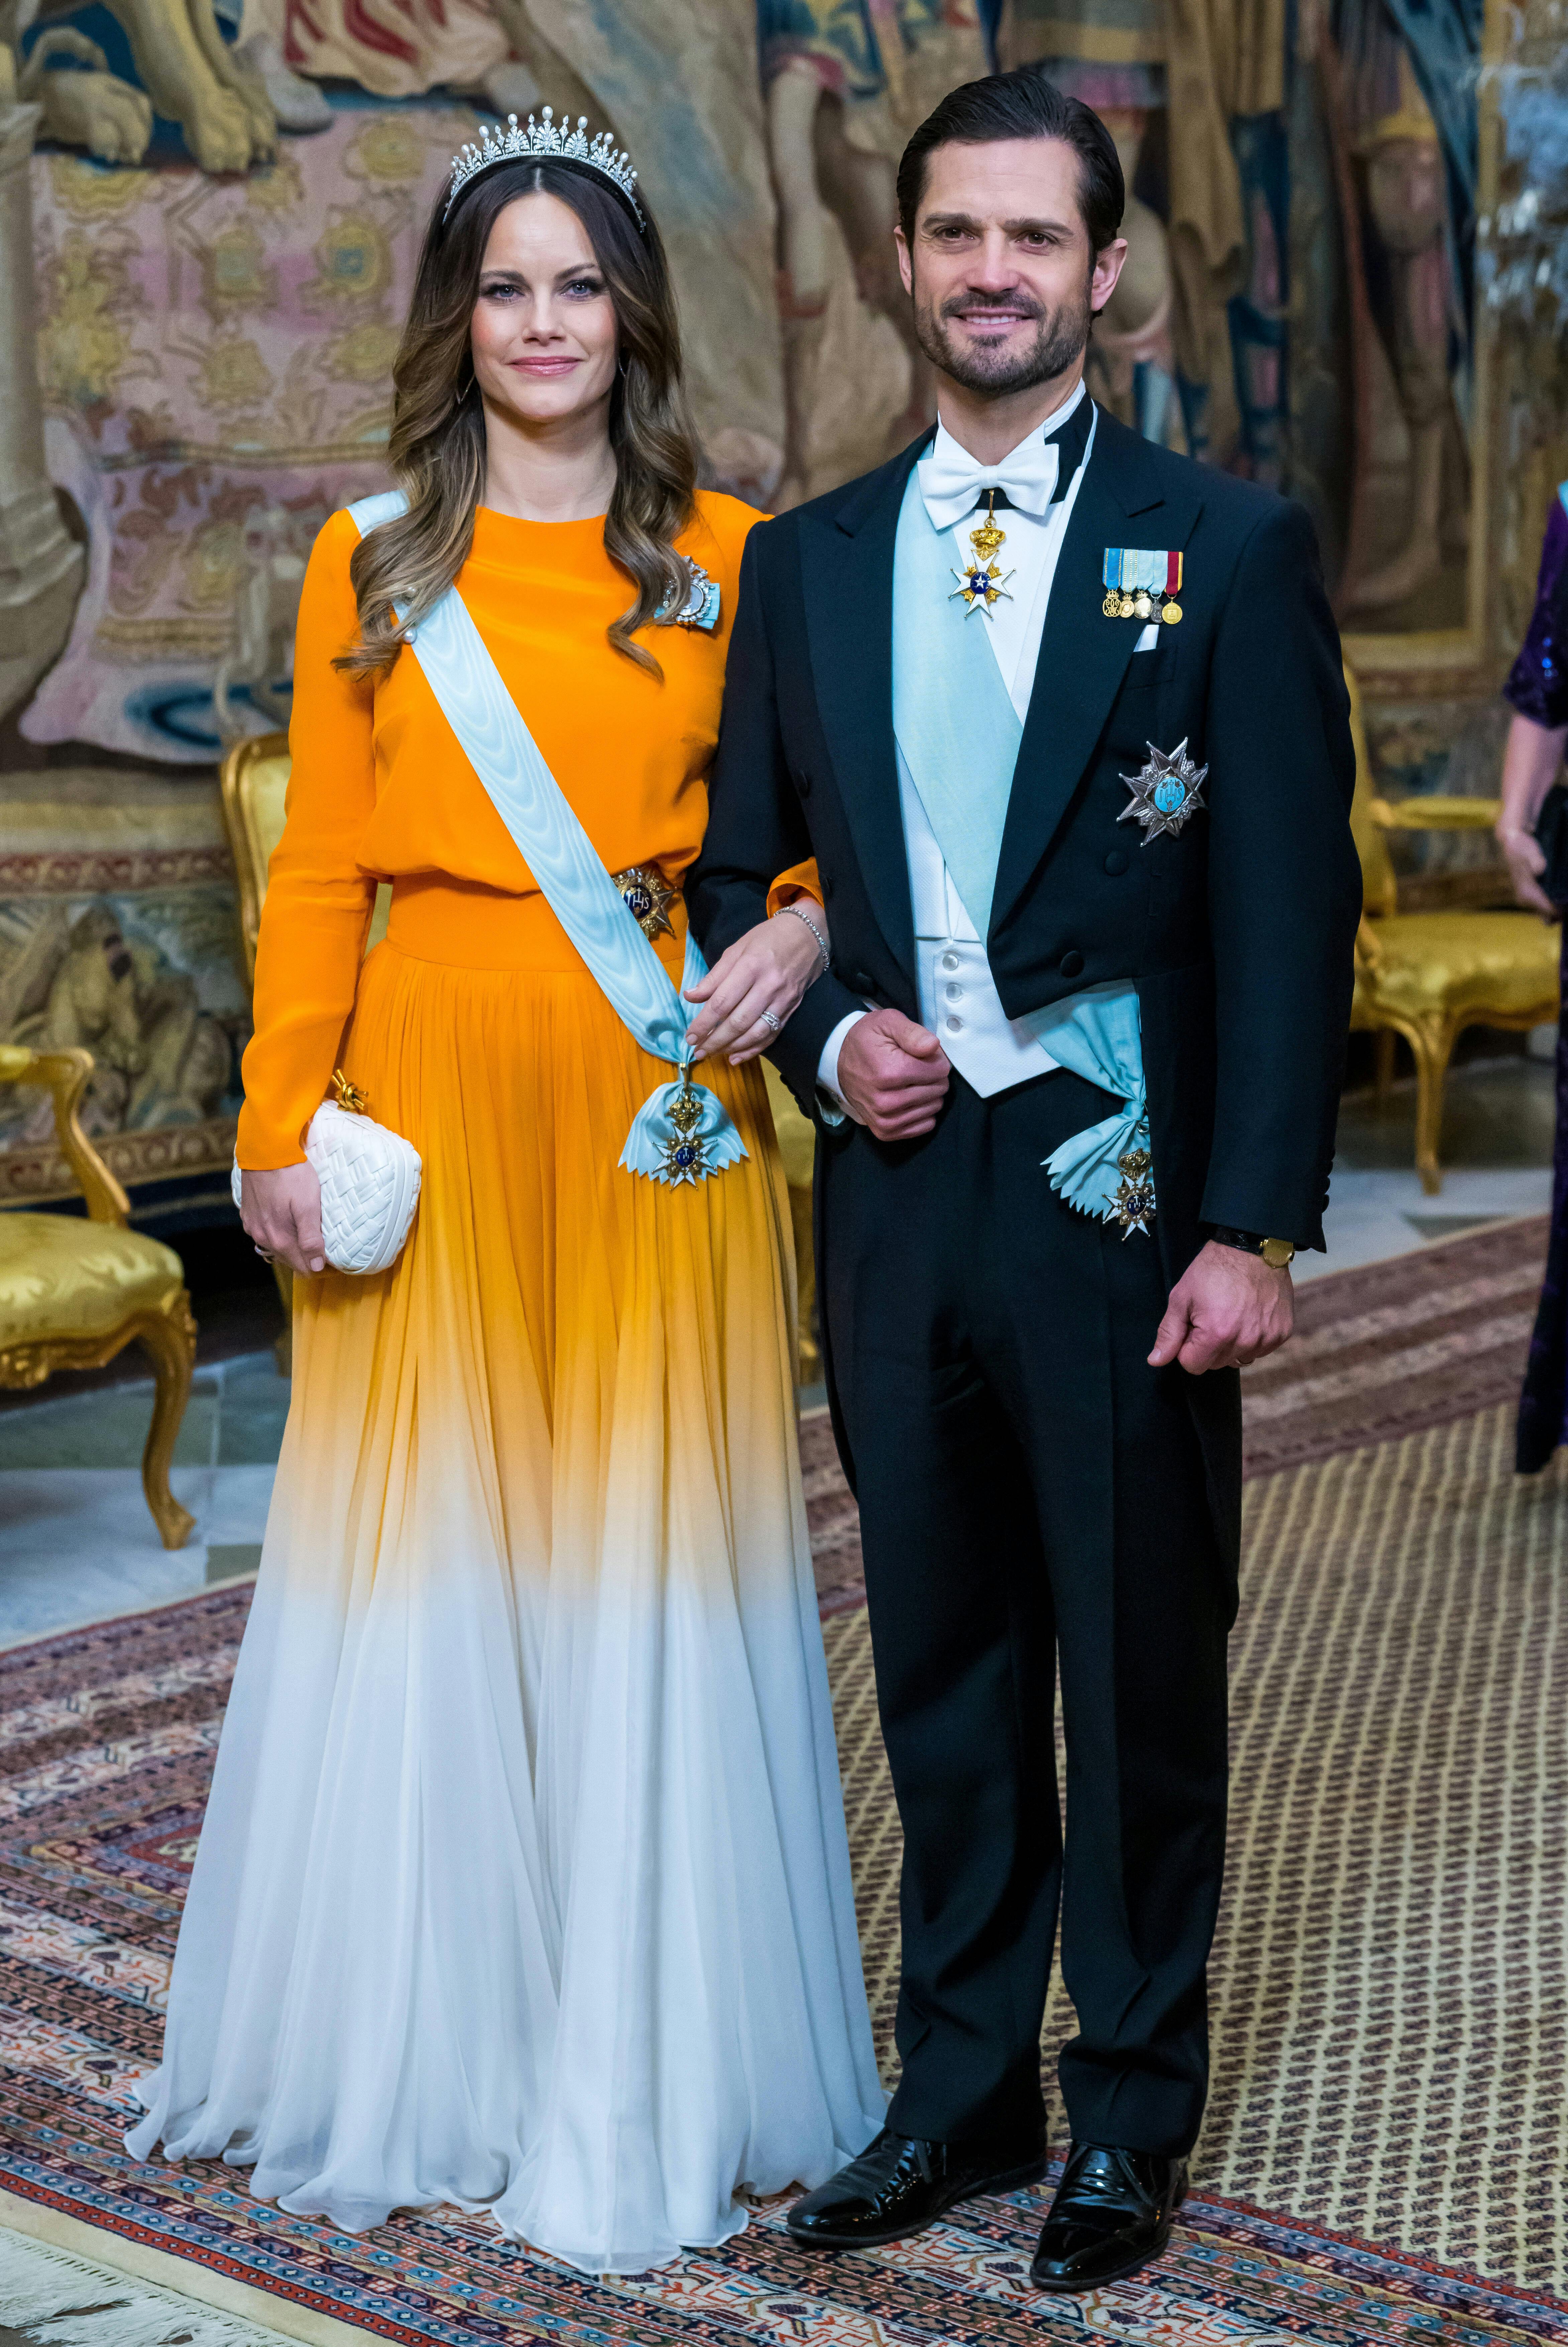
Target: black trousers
(1031, 1493)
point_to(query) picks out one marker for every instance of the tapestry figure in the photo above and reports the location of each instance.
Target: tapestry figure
(843, 83)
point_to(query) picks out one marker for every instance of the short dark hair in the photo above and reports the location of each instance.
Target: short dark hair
(1020, 104)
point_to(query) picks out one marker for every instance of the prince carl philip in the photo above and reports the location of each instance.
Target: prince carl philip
(1061, 717)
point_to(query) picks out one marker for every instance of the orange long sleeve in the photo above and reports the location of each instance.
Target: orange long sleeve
(318, 903)
(800, 880)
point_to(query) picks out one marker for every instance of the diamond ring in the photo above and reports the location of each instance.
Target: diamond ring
(769, 1021)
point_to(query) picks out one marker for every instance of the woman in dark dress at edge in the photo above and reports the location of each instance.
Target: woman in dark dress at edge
(1537, 688)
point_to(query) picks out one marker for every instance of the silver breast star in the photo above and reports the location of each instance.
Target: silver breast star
(1166, 791)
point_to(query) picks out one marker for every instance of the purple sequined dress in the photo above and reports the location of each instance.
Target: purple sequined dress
(1537, 688)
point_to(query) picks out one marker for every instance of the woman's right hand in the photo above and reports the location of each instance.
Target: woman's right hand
(281, 1211)
(1525, 865)
(757, 985)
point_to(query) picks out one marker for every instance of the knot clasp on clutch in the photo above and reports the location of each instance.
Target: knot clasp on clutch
(349, 1096)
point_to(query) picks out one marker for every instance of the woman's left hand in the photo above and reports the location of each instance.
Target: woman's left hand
(769, 970)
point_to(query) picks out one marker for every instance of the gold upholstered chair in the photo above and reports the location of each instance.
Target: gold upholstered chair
(1427, 976)
(74, 1293)
(253, 782)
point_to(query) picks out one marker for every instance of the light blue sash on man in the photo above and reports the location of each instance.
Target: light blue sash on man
(960, 735)
(683, 1131)
(952, 714)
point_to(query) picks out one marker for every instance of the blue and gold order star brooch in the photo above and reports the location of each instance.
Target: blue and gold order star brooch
(648, 896)
(1166, 791)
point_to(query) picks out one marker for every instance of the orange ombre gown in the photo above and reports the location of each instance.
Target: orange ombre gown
(524, 1882)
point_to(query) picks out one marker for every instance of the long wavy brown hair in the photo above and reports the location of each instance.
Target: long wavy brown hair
(436, 448)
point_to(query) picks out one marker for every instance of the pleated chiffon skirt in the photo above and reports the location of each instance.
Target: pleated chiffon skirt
(524, 1882)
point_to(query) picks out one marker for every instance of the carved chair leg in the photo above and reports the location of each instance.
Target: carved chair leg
(1383, 1064)
(1432, 1042)
(171, 1337)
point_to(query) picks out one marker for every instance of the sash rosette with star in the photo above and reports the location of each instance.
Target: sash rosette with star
(1166, 792)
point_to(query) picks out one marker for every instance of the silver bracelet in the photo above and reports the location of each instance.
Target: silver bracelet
(816, 933)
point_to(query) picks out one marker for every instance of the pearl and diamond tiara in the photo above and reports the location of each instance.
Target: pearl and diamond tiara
(548, 141)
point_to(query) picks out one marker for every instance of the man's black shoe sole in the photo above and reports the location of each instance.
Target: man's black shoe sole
(1011, 2179)
(1129, 2265)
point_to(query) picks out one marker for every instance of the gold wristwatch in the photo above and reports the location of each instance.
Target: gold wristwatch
(1278, 1254)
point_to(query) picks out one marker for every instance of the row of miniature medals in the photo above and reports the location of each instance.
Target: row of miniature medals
(1148, 603)
(981, 586)
(1141, 582)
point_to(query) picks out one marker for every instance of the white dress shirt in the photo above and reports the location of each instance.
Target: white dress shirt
(957, 996)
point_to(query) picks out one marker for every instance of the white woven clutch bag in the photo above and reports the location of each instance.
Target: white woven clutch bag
(370, 1183)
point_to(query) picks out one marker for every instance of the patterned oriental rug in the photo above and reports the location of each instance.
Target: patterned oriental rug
(1387, 2135)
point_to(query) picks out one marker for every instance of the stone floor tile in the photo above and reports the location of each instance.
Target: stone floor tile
(106, 1428)
(255, 1405)
(227, 1562)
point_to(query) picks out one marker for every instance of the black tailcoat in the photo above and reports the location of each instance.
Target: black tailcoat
(1238, 931)
(1028, 1486)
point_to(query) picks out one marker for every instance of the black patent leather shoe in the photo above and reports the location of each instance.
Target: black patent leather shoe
(899, 2185)
(1112, 2214)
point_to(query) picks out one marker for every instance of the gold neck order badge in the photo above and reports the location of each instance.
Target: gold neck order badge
(686, 1153)
(1134, 1198)
(983, 581)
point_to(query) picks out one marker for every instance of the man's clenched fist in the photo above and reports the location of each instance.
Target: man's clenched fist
(893, 1075)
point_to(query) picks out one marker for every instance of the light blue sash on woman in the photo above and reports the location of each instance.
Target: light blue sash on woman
(683, 1131)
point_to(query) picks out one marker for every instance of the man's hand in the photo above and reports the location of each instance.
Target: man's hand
(893, 1074)
(1227, 1308)
(282, 1213)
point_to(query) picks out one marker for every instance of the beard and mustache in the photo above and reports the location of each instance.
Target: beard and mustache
(1060, 337)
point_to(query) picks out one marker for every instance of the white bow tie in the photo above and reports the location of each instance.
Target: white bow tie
(951, 479)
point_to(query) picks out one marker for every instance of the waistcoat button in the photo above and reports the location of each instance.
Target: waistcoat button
(1072, 964)
(1116, 862)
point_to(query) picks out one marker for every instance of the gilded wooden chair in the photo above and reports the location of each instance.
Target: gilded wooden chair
(253, 784)
(74, 1293)
(1427, 976)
